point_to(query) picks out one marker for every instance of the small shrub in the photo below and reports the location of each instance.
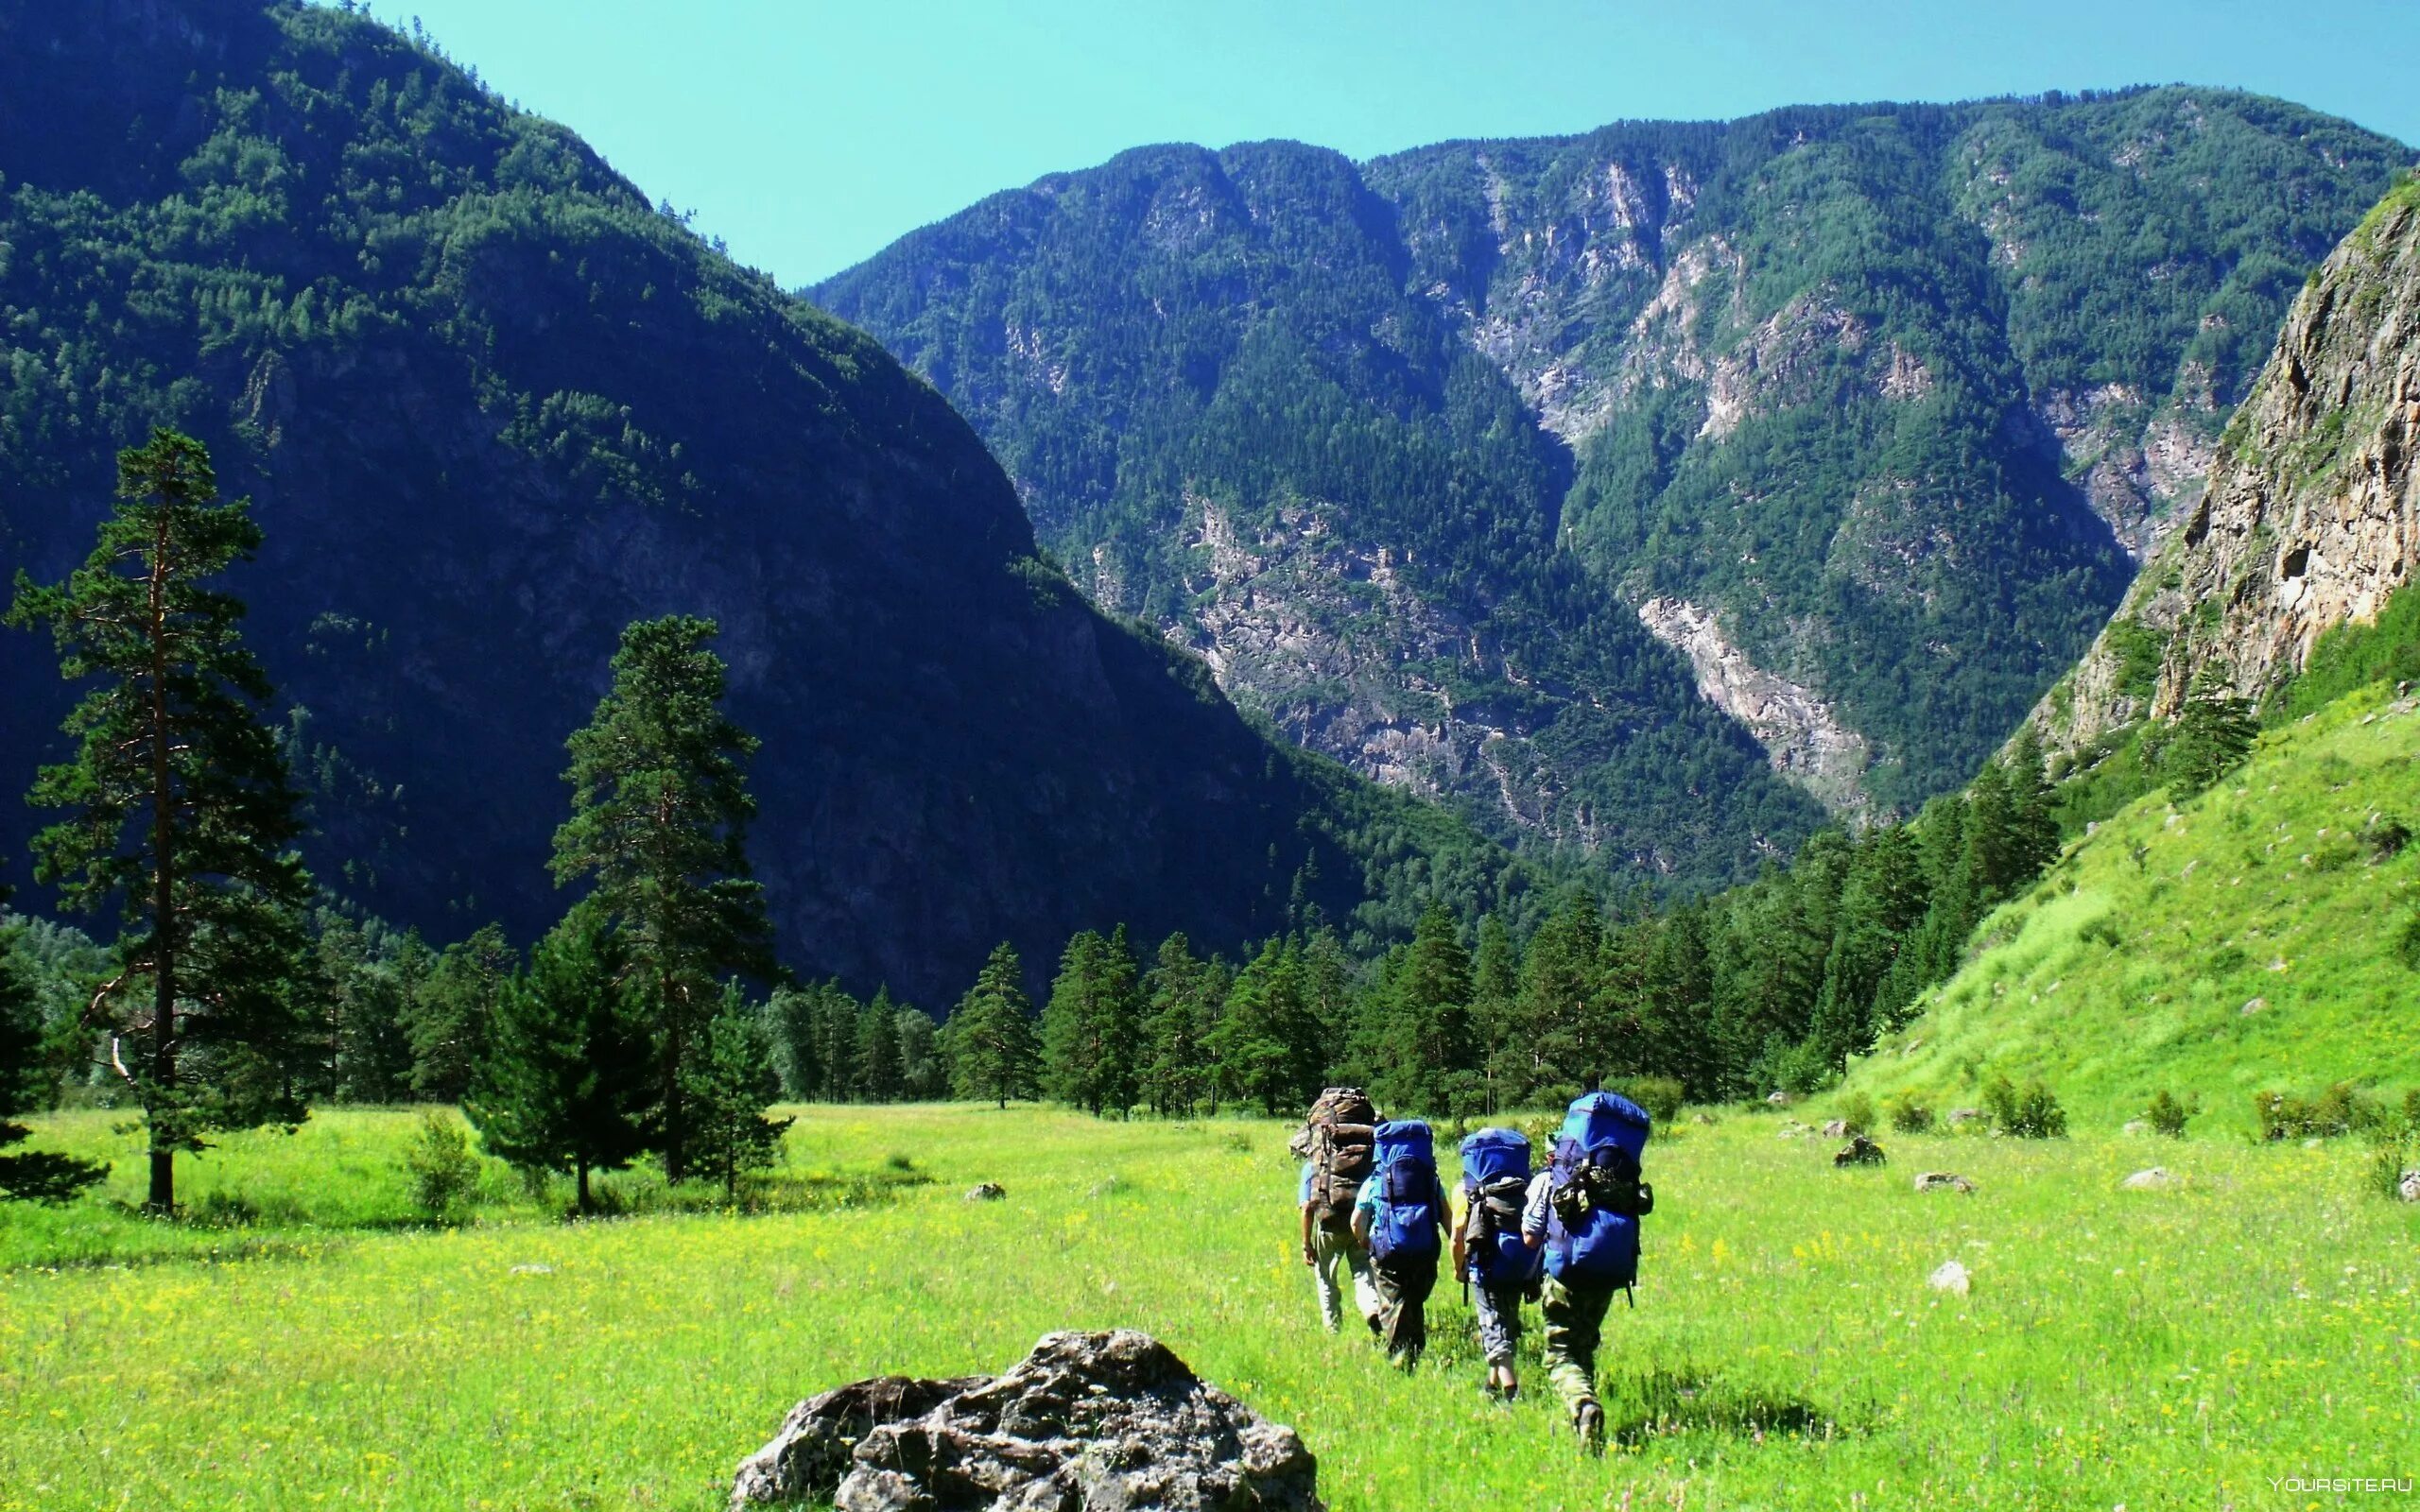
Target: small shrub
(444, 1171)
(2341, 1109)
(2168, 1113)
(2407, 943)
(1660, 1095)
(1856, 1114)
(2028, 1112)
(1907, 1115)
(2386, 836)
(223, 1210)
(2101, 931)
(2388, 1162)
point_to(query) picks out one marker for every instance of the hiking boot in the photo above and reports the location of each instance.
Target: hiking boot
(1510, 1393)
(1377, 1331)
(1589, 1423)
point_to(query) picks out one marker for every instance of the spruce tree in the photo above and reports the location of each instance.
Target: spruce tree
(878, 1069)
(28, 1085)
(452, 1009)
(568, 1080)
(368, 1009)
(1181, 999)
(992, 1048)
(794, 1023)
(1268, 1047)
(178, 807)
(2214, 732)
(924, 1075)
(1430, 1050)
(1881, 906)
(837, 1018)
(1092, 1025)
(726, 1087)
(1558, 1001)
(660, 811)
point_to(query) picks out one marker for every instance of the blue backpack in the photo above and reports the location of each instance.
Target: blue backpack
(1495, 1177)
(1592, 1231)
(1406, 1222)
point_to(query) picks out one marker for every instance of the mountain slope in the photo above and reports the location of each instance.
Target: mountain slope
(491, 407)
(2312, 517)
(2247, 940)
(1480, 466)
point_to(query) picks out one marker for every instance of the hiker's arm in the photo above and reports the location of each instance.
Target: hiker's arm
(1310, 1255)
(1460, 1246)
(1361, 1227)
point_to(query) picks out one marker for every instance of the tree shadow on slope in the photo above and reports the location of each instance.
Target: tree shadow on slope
(1667, 1403)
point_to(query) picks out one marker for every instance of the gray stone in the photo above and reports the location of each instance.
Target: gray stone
(1088, 1422)
(2409, 1187)
(1860, 1151)
(1952, 1277)
(1942, 1182)
(2154, 1180)
(1837, 1128)
(987, 1192)
(1781, 1099)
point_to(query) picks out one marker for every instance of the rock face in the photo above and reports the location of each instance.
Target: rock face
(1086, 1421)
(1803, 738)
(2312, 514)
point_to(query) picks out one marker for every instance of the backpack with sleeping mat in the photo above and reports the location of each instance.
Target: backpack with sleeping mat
(1341, 1147)
(1495, 1178)
(1598, 1196)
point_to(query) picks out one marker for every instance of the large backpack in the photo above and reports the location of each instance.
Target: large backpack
(1592, 1229)
(1405, 1225)
(1343, 1122)
(1495, 1177)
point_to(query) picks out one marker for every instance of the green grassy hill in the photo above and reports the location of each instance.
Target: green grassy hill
(2244, 940)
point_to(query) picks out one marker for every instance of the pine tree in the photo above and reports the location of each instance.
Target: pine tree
(452, 1009)
(1267, 1044)
(568, 1081)
(1180, 996)
(994, 1051)
(27, 1085)
(726, 1087)
(794, 1024)
(372, 1059)
(924, 1074)
(1881, 907)
(837, 1020)
(1430, 1052)
(660, 811)
(1092, 1025)
(179, 806)
(2215, 731)
(1558, 1001)
(1676, 1005)
(878, 1069)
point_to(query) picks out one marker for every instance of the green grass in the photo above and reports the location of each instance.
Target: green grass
(2162, 1350)
(2130, 967)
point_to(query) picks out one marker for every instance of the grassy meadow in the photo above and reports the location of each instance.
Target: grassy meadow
(2171, 1349)
(2244, 940)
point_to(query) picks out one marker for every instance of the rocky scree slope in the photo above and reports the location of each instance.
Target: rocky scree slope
(1845, 422)
(2313, 516)
(491, 407)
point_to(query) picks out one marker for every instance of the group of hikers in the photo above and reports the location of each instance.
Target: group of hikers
(1379, 1220)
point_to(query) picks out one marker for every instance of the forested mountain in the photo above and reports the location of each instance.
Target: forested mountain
(492, 406)
(1477, 466)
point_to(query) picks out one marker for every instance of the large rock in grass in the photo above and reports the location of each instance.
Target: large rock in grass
(1086, 1421)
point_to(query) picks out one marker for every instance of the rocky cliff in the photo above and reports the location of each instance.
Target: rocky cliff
(491, 407)
(1891, 398)
(2312, 515)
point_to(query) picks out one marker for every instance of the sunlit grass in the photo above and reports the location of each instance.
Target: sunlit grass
(2164, 1349)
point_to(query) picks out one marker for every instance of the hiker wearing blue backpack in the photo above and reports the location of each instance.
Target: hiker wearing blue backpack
(1489, 1253)
(1585, 1213)
(1401, 1217)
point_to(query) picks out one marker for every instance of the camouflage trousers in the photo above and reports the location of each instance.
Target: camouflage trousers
(1403, 1327)
(1575, 1320)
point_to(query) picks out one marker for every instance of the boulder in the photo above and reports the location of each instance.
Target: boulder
(2154, 1180)
(1942, 1182)
(1837, 1128)
(1860, 1151)
(1792, 1129)
(2135, 1127)
(1781, 1099)
(1087, 1421)
(2409, 1187)
(1951, 1278)
(986, 1192)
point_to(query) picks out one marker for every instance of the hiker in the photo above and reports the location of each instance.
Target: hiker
(1583, 1212)
(1490, 1257)
(1335, 1146)
(1401, 1215)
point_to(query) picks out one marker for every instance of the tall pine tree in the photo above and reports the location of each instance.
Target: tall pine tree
(27, 1084)
(726, 1086)
(179, 806)
(994, 1051)
(659, 825)
(1182, 994)
(1091, 1028)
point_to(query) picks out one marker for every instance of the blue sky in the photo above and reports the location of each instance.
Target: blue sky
(809, 133)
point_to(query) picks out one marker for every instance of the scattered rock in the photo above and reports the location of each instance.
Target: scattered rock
(533, 1269)
(2135, 1126)
(1836, 1130)
(2154, 1180)
(986, 1192)
(2314, 1142)
(1707, 1118)
(2409, 1187)
(1087, 1421)
(2255, 1006)
(1951, 1278)
(1860, 1151)
(1781, 1099)
(1943, 1181)
(1959, 1116)
(1792, 1129)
